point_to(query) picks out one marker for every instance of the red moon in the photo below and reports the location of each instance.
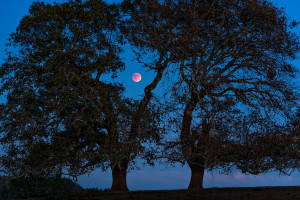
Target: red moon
(136, 77)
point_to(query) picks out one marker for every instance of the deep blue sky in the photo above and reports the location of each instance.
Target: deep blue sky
(11, 12)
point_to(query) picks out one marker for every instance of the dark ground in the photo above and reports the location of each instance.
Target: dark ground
(245, 193)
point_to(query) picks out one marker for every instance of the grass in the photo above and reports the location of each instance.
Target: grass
(242, 193)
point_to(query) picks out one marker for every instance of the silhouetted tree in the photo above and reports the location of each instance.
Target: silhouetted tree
(225, 51)
(61, 111)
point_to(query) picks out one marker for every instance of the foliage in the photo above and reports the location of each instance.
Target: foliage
(231, 103)
(56, 105)
(40, 186)
(235, 81)
(62, 112)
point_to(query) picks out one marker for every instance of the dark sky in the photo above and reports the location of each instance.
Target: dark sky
(11, 12)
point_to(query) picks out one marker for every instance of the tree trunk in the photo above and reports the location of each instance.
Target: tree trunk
(119, 174)
(119, 178)
(197, 174)
(187, 144)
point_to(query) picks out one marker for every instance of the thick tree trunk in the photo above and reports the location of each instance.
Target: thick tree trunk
(197, 174)
(119, 178)
(187, 144)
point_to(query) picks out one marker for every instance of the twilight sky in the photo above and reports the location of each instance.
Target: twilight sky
(11, 12)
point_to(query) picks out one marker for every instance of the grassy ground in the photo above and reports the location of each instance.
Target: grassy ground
(245, 193)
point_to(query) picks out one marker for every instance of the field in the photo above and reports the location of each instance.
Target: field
(246, 193)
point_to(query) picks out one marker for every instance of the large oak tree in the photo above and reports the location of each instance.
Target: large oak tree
(226, 51)
(62, 115)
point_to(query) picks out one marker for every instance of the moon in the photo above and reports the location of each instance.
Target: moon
(136, 77)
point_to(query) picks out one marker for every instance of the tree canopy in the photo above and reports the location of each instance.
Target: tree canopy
(56, 103)
(62, 115)
(230, 56)
(231, 87)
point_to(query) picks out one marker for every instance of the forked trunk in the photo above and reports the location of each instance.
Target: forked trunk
(119, 178)
(197, 174)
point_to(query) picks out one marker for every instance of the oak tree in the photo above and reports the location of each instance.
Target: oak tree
(62, 115)
(225, 51)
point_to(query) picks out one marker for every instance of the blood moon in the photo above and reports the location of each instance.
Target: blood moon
(136, 77)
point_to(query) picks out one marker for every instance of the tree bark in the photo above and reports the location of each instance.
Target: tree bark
(197, 171)
(197, 174)
(119, 178)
